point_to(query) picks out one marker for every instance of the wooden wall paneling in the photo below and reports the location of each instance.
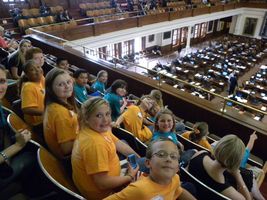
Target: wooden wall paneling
(63, 3)
(162, 17)
(217, 8)
(180, 14)
(186, 13)
(146, 20)
(166, 49)
(201, 11)
(75, 3)
(116, 25)
(175, 15)
(183, 104)
(240, 4)
(229, 6)
(33, 3)
(256, 5)
(75, 33)
(4, 10)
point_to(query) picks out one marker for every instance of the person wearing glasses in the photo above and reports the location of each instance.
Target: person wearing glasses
(163, 182)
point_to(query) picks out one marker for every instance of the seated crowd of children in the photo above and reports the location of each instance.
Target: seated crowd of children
(75, 122)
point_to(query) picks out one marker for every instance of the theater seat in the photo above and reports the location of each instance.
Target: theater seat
(55, 172)
(17, 124)
(16, 107)
(138, 146)
(203, 191)
(3, 54)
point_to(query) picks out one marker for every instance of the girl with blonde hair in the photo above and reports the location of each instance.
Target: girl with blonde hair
(17, 59)
(95, 163)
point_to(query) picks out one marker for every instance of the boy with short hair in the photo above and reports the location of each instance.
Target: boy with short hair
(63, 63)
(81, 79)
(162, 182)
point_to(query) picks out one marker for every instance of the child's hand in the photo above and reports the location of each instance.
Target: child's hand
(115, 125)
(253, 136)
(181, 147)
(124, 101)
(132, 172)
(23, 137)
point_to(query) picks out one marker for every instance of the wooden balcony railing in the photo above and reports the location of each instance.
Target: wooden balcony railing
(95, 29)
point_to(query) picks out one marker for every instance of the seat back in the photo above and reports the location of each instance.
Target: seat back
(188, 144)
(3, 53)
(50, 20)
(78, 102)
(23, 24)
(41, 20)
(32, 22)
(203, 191)
(138, 146)
(57, 175)
(16, 107)
(16, 124)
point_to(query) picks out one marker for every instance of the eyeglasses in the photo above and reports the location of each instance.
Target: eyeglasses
(164, 154)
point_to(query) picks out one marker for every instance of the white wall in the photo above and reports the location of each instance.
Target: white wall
(166, 41)
(251, 13)
(157, 40)
(233, 24)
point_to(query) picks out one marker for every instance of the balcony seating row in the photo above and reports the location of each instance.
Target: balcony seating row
(92, 6)
(32, 22)
(35, 12)
(54, 27)
(111, 17)
(100, 12)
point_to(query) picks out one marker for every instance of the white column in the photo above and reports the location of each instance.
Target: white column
(187, 48)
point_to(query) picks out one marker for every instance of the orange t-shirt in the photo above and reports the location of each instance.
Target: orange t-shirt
(203, 142)
(60, 126)
(93, 153)
(133, 121)
(146, 189)
(32, 96)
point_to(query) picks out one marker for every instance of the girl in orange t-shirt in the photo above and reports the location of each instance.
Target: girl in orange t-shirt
(32, 91)
(60, 118)
(95, 164)
(198, 135)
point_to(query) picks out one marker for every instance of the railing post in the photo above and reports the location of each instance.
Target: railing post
(224, 105)
(159, 75)
(115, 62)
(84, 51)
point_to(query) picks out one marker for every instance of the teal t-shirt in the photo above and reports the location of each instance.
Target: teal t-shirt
(170, 135)
(80, 93)
(115, 102)
(99, 86)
